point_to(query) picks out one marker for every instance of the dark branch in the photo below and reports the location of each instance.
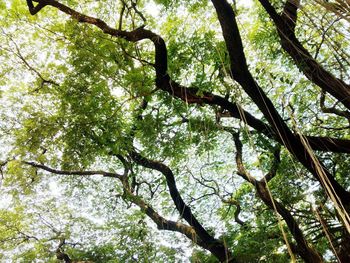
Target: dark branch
(296, 145)
(237, 212)
(62, 172)
(60, 254)
(35, 9)
(215, 246)
(304, 249)
(276, 161)
(333, 109)
(301, 56)
(289, 14)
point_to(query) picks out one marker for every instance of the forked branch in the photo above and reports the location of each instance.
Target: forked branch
(35, 9)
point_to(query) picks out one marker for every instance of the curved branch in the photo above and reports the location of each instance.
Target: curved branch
(333, 109)
(35, 9)
(60, 254)
(305, 251)
(164, 224)
(214, 245)
(237, 212)
(289, 14)
(216, 191)
(276, 162)
(161, 222)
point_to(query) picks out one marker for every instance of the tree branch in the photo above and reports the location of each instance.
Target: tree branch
(161, 222)
(276, 162)
(215, 246)
(304, 249)
(289, 14)
(35, 9)
(333, 110)
(216, 191)
(164, 224)
(60, 254)
(63, 172)
(301, 56)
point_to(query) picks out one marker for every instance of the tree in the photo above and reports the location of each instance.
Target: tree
(207, 119)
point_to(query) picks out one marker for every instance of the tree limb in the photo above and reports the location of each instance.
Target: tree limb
(161, 222)
(63, 172)
(285, 25)
(215, 246)
(35, 9)
(304, 249)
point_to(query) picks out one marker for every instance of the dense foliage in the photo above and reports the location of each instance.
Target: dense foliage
(175, 131)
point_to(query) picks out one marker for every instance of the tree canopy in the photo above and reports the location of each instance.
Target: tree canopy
(175, 131)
